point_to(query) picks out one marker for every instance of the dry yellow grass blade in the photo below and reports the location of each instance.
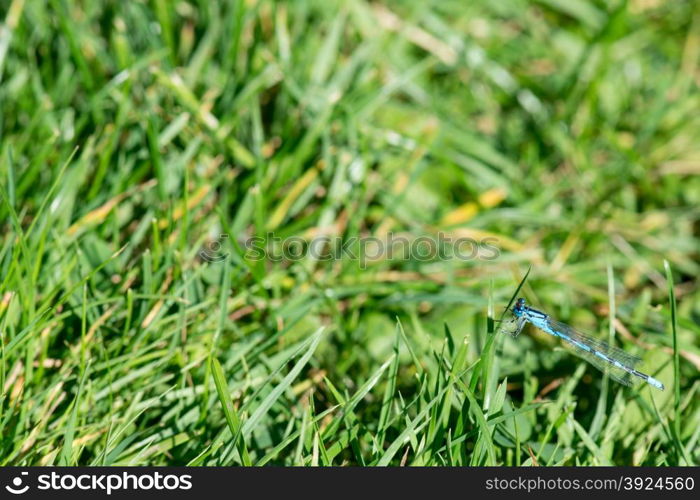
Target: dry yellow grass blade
(98, 215)
(158, 305)
(391, 22)
(5, 302)
(297, 189)
(466, 212)
(500, 241)
(192, 201)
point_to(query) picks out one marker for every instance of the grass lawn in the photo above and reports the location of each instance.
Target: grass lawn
(166, 164)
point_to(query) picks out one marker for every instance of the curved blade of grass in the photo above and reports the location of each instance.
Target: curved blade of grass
(517, 290)
(232, 419)
(67, 454)
(676, 428)
(270, 399)
(411, 429)
(349, 405)
(290, 439)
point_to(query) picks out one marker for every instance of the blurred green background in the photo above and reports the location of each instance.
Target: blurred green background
(134, 134)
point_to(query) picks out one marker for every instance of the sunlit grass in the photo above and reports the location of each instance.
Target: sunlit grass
(134, 134)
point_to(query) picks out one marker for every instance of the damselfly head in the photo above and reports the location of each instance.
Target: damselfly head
(519, 307)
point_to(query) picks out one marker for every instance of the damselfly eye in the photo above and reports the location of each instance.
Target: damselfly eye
(519, 304)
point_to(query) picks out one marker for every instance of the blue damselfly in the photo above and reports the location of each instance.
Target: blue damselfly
(616, 362)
